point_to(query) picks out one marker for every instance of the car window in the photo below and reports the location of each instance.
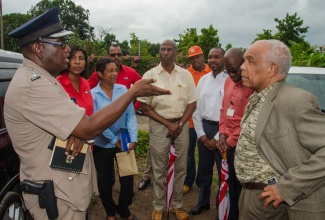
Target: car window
(9, 62)
(314, 83)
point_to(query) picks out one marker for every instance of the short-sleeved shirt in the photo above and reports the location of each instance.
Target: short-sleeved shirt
(181, 84)
(35, 111)
(127, 120)
(82, 97)
(126, 76)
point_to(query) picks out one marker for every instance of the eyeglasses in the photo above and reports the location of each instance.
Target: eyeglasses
(63, 44)
(116, 54)
(234, 70)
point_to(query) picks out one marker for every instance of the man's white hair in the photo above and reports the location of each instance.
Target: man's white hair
(278, 53)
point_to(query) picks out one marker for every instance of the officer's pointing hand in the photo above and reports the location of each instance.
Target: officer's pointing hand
(144, 87)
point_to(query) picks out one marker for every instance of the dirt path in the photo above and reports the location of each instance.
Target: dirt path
(142, 202)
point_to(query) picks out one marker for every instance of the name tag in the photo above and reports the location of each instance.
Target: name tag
(230, 112)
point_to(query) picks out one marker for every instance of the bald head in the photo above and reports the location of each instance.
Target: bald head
(233, 59)
(169, 42)
(234, 53)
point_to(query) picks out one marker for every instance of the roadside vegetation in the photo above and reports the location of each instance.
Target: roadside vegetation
(143, 55)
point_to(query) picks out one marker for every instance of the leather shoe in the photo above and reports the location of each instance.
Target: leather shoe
(180, 213)
(185, 189)
(198, 209)
(143, 184)
(157, 215)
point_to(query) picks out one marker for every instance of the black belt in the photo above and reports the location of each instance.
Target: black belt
(259, 186)
(174, 119)
(210, 122)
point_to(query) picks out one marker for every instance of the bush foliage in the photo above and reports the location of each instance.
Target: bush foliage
(143, 143)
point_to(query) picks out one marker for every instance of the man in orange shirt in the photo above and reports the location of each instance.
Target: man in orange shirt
(198, 68)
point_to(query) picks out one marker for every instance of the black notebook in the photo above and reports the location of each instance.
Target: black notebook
(60, 161)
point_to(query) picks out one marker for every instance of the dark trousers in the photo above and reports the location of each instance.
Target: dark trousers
(206, 163)
(104, 161)
(234, 184)
(191, 167)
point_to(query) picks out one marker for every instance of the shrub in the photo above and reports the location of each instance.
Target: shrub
(143, 143)
(141, 64)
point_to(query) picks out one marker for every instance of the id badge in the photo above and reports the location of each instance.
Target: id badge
(230, 112)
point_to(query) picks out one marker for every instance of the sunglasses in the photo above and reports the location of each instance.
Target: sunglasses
(116, 54)
(63, 44)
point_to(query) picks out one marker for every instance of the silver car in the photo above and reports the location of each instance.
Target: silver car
(311, 79)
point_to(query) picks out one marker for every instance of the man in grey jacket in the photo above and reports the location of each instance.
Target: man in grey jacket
(280, 153)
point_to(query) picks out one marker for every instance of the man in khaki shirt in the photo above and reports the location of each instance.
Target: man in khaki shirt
(168, 120)
(37, 109)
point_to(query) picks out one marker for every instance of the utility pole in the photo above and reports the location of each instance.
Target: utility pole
(139, 49)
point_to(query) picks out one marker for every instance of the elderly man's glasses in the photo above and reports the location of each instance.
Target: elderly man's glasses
(63, 44)
(115, 54)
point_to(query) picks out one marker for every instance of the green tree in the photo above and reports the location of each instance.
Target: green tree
(124, 45)
(187, 40)
(11, 22)
(227, 47)
(208, 39)
(266, 35)
(109, 39)
(290, 28)
(306, 57)
(137, 44)
(73, 17)
(134, 44)
(154, 49)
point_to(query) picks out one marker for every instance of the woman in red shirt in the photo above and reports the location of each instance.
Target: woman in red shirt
(73, 82)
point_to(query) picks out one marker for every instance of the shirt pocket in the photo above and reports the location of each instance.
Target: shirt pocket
(159, 97)
(181, 91)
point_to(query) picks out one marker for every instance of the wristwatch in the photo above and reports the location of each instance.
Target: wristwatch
(180, 123)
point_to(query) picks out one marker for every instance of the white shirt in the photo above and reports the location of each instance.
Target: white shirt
(211, 90)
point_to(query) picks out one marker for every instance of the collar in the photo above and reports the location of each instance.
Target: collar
(205, 69)
(176, 68)
(65, 79)
(267, 90)
(98, 89)
(220, 75)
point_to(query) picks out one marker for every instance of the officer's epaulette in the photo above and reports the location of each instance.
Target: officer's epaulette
(35, 75)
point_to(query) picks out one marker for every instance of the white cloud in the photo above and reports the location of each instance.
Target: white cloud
(237, 22)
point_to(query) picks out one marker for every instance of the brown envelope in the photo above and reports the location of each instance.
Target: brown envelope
(127, 165)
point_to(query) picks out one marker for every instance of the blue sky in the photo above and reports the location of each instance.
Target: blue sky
(237, 22)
